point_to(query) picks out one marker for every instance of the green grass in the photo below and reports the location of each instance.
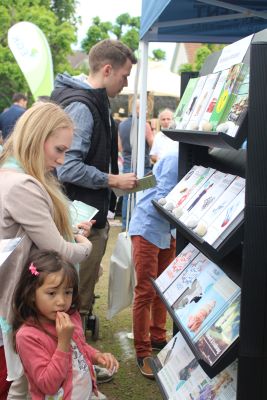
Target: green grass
(128, 383)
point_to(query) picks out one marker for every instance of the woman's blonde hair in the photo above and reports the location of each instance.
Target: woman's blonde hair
(26, 145)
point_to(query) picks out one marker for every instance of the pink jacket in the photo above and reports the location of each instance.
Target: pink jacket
(47, 368)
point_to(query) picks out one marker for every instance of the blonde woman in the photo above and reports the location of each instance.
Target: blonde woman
(33, 206)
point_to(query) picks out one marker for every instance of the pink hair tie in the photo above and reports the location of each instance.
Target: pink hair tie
(33, 270)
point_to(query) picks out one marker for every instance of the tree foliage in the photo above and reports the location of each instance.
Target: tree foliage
(56, 18)
(125, 28)
(201, 54)
(159, 55)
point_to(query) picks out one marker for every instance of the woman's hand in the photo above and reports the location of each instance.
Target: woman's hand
(85, 227)
(108, 361)
(81, 239)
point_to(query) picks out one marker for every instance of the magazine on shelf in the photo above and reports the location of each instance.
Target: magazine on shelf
(219, 206)
(192, 102)
(178, 115)
(180, 284)
(226, 219)
(7, 246)
(182, 377)
(202, 101)
(235, 114)
(204, 124)
(187, 186)
(205, 198)
(204, 292)
(234, 79)
(176, 267)
(221, 334)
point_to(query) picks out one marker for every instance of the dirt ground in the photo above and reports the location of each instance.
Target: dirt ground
(128, 383)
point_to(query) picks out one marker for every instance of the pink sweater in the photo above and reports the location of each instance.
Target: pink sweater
(47, 368)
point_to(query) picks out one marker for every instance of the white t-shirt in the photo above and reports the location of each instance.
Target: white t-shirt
(81, 378)
(162, 145)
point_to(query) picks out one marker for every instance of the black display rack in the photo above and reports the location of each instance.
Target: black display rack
(243, 254)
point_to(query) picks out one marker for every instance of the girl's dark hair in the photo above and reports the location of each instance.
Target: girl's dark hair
(45, 262)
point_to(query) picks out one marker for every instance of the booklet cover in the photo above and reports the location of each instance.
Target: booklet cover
(204, 124)
(80, 212)
(178, 115)
(226, 218)
(221, 334)
(205, 198)
(204, 297)
(233, 81)
(144, 183)
(234, 115)
(182, 377)
(191, 105)
(219, 206)
(202, 101)
(187, 187)
(7, 246)
(176, 267)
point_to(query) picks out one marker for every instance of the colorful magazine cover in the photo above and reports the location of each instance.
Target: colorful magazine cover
(176, 267)
(221, 334)
(234, 79)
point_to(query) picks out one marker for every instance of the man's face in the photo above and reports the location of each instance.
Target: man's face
(118, 79)
(165, 119)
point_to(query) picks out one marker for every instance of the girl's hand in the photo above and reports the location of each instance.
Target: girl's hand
(85, 227)
(108, 361)
(64, 328)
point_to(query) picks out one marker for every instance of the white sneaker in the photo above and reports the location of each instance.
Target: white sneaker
(100, 396)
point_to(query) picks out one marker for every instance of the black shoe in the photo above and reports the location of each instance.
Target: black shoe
(144, 366)
(157, 346)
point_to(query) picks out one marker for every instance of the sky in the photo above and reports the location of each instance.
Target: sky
(109, 10)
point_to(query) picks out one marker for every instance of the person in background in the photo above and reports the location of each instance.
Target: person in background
(90, 169)
(126, 148)
(9, 117)
(163, 145)
(34, 208)
(48, 331)
(153, 250)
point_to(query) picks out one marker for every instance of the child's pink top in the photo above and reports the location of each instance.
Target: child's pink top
(47, 368)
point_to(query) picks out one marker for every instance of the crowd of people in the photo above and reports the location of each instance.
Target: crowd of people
(65, 148)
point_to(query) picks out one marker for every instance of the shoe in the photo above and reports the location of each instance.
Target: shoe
(157, 346)
(100, 396)
(144, 366)
(103, 375)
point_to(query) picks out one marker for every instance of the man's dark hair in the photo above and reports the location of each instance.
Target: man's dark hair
(111, 52)
(17, 97)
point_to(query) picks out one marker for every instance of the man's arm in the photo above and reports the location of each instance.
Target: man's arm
(74, 170)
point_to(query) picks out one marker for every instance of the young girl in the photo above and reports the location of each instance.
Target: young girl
(48, 331)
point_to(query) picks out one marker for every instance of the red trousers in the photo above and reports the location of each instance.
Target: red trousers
(149, 313)
(4, 385)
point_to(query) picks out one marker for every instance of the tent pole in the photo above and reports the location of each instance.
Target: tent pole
(142, 113)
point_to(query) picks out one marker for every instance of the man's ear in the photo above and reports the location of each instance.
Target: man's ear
(107, 69)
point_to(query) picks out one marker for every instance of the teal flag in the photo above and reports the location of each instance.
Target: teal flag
(32, 53)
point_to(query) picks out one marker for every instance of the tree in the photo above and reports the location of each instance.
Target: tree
(125, 28)
(57, 21)
(159, 55)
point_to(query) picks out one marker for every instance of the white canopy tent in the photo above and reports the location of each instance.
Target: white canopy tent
(160, 80)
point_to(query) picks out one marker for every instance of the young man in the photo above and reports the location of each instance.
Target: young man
(90, 169)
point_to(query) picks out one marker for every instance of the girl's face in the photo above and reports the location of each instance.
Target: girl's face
(56, 146)
(54, 295)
